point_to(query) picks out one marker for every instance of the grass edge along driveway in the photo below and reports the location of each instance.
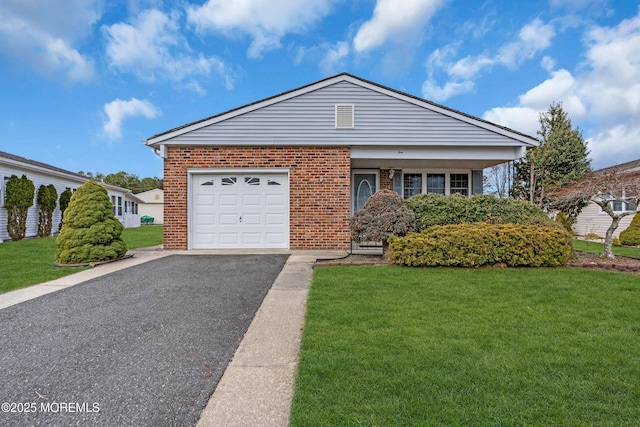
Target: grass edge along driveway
(31, 261)
(387, 345)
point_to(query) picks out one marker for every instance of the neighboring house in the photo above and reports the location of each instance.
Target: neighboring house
(289, 171)
(125, 203)
(593, 220)
(152, 205)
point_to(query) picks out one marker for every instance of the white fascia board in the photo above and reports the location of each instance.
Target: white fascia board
(436, 153)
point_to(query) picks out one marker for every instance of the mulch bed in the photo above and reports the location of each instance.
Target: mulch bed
(620, 263)
(584, 260)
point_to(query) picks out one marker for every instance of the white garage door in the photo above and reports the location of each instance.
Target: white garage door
(240, 211)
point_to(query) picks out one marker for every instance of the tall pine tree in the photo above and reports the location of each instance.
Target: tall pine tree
(561, 156)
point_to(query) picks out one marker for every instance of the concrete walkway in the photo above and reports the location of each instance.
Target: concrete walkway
(257, 386)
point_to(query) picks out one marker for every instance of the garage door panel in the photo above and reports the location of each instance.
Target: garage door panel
(252, 200)
(227, 239)
(276, 200)
(203, 220)
(252, 239)
(206, 200)
(275, 219)
(274, 238)
(240, 210)
(229, 219)
(252, 219)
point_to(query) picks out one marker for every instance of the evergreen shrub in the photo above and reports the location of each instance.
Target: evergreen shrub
(18, 199)
(47, 200)
(65, 198)
(475, 245)
(437, 209)
(631, 236)
(383, 215)
(90, 232)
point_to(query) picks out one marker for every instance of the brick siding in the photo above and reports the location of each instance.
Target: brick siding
(319, 211)
(386, 183)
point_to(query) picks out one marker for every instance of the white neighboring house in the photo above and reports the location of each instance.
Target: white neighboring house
(125, 203)
(593, 220)
(152, 204)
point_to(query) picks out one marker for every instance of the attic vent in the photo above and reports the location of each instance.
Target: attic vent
(345, 116)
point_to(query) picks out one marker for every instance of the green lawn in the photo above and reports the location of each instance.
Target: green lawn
(394, 346)
(597, 248)
(31, 261)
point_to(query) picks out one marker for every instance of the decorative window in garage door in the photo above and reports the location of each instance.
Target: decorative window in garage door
(229, 180)
(252, 180)
(276, 180)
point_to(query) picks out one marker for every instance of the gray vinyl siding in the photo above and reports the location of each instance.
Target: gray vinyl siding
(309, 119)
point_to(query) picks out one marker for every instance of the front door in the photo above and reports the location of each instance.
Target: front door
(364, 184)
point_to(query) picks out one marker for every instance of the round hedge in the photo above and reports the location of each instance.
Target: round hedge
(90, 232)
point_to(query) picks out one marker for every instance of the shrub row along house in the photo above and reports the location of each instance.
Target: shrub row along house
(125, 204)
(290, 170)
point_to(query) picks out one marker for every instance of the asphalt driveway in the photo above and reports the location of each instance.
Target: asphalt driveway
(142, 346)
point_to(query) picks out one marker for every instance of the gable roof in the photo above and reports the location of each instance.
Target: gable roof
(38, 165)
(160, 138)
(44, 167)
(631, 166)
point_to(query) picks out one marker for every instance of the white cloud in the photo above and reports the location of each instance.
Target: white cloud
(605, 91)
(437, 93)
(548, 63)
(560, 87)
(152, 48)
(611, 83)
(533, 38)
(334, 57)
(265, 21)
(522, 119)
(119, 110)
(43, 36)
(397, 21)
(615, 145)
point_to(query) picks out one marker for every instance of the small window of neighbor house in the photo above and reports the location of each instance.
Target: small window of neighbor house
(345, 116)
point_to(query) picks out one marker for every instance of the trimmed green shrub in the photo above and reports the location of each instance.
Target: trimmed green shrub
(475, 245)
(19, 198)
(437, 209)
(383, 215)
(47, 201)
(631, 236)
(90, 232)
(65, 198)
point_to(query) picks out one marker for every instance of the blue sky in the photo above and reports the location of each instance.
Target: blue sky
(84, 82)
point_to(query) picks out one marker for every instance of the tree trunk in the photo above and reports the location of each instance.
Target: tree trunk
(608, 241)
(532, 183)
